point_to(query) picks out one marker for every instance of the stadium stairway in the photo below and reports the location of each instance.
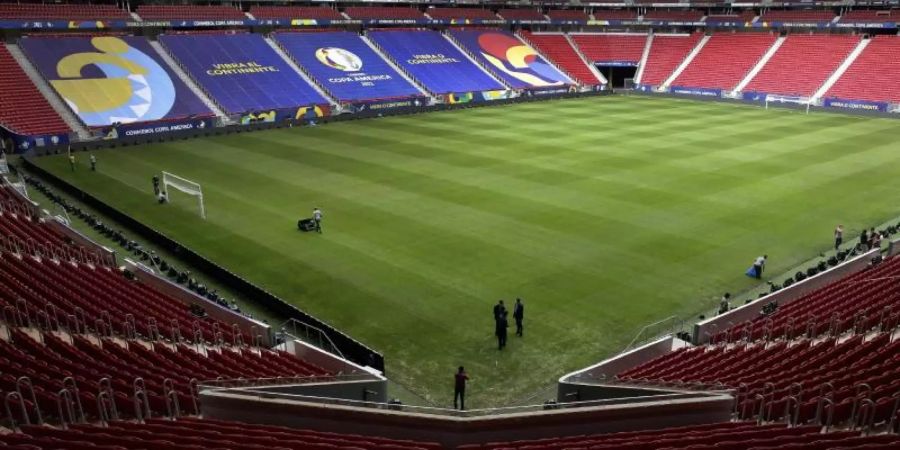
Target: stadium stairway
(465, 51)
(666, 53)
(645, 56)
(759, 65)
(687, 61)
(189, 82)
(802, 64)
(839, 72)
(741, 50)
(403, 72)
(299, 70)
(55, 101)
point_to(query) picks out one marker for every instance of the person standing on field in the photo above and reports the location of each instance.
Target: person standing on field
(317, 217)
(838, 236)
(72, 161)
(459, 389)
(519, 315)
(501, 331)
(93, 163)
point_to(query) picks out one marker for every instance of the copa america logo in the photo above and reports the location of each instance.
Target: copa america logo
(340, 59)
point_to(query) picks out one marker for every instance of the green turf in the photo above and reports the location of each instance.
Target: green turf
(604, 214)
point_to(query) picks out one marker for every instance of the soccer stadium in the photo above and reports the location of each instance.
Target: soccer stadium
(450, 225)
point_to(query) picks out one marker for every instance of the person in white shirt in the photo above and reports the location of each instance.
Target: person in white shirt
(759, 264)
(317, 217)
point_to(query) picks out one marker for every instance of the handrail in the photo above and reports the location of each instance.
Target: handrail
(640, 333)
(322, 336)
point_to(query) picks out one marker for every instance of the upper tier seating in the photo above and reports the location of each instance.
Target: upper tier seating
(461, 13)
(874, 75)
(717, 436)
(611, 48)
(87, 361)
(295, 12)
(615, 14)
(797, 16)
(869, 15)
(23, 108)
(521, 14)
(191, 433)
(382, 12)
(666, 52)
(557, 48)
(725, 60)
(568, 14)
(686, 15)
(745, 16)
(189, 12)
(802, 64)
(416, 51)
(837, 306)
(61, 12)
(805, 369)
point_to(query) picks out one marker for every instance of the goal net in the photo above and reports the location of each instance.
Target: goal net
(182, 185)
(802, 102)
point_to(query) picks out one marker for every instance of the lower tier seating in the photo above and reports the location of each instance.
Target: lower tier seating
(802, 64)
(797, 16)
(725, 60)
(189, 433)
(156, 367)
(667, 52)
(676, 15)
(874, 75)
(789, 378)
(615, 14)
(719, 436)
(78, 297)
(611, 47)
(23, 108)
(865, 300)
(557, 48)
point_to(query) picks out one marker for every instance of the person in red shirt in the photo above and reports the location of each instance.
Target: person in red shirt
(459, 391)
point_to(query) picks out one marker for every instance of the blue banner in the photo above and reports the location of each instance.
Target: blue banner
(111, 79)
(375, 106)
(754, 96)
(344, 65)
(434, 61)
(856, 105)
(154, 128)
(702, 92)
(511, 59)
(241, 72)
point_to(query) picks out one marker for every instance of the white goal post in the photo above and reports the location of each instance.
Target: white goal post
(184, 185)
(802, 101)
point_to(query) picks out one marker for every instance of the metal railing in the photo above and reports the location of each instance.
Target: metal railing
(310, 334)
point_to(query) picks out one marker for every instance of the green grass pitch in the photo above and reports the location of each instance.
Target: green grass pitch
(603, 214)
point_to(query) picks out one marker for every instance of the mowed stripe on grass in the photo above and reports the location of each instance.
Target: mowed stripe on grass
(604, 214)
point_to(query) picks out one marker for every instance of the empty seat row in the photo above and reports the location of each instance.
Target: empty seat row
(188, 12)
(556, 47)
(61, 12)
(23, 108)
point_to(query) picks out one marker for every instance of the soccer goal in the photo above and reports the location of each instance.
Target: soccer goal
(782, 99)
(184, 185)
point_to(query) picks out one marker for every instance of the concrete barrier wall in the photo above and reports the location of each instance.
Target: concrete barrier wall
(452, 431)
(703, 330)
(608, 368)
(325, 360)
(247, 325)
(372, 390)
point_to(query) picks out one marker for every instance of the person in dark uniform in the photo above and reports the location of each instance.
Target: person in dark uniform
(155, 185)
(459, 390)
(502, 325)
(519, 315)
(498, 310)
